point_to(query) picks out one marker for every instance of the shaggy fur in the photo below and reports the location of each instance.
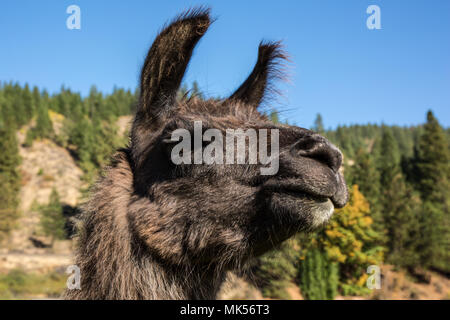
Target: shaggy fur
(155, 230)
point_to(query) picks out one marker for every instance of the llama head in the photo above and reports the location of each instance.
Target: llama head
(222, 213)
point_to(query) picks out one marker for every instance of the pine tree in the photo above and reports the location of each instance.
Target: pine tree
(389, 157)
(27, 99)
(276, 269)
(433, 160)
(20, 108)
(274, 116)
(389, 169)
(402, 223)
(9, 178)
(319, 277)
(318, 124)
(364, 173)
(43, 128)
(344, 141)
(398, 205)
(195, 91)
(36, 98)
(433, 175)
(52, 218)
(96, 141)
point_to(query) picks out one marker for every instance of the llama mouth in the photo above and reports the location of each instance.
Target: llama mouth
(296, 191)
(313, 210)
(300, 193)
(336, 192)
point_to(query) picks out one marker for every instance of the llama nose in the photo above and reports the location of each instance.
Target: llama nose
(318, 148)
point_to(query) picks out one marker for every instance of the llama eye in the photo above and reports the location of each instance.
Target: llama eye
(170, 138)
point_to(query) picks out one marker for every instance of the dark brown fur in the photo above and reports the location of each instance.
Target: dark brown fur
(155, 230)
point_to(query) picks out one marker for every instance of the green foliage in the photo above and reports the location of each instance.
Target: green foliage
(276, 269)
(390, 156)
(350, 240)
(88, 127)
(95, 142)
(351, 138)
(365, 174)
(399, 205)
(18, 284)
(274, 116)
(318, 124)
(9, 179)
(319, 277)
(27, 100)
(432, 180)
(17, 104)
(43, 128)
(52, 218)
(415, 228)
(184, 93)
(196, 90)
(401, 216)
(432, 161)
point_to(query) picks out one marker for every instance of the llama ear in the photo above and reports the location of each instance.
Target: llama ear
(259, 82)
(167, 61)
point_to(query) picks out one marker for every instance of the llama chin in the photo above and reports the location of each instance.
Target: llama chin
(322, 213)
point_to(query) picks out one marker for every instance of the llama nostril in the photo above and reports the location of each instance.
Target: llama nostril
(318, 148)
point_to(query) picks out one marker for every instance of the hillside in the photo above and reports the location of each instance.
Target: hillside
(44, 167)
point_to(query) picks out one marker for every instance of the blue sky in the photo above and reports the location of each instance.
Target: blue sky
(339, 68)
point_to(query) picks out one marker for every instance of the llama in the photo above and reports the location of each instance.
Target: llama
(156, 230)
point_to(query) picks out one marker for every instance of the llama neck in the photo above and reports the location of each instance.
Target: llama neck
(124, 275)
(181, 283)
(115, 265)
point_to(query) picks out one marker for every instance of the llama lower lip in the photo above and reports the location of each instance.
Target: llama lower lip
(299, 205)
(297, 187)
(299, 193)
